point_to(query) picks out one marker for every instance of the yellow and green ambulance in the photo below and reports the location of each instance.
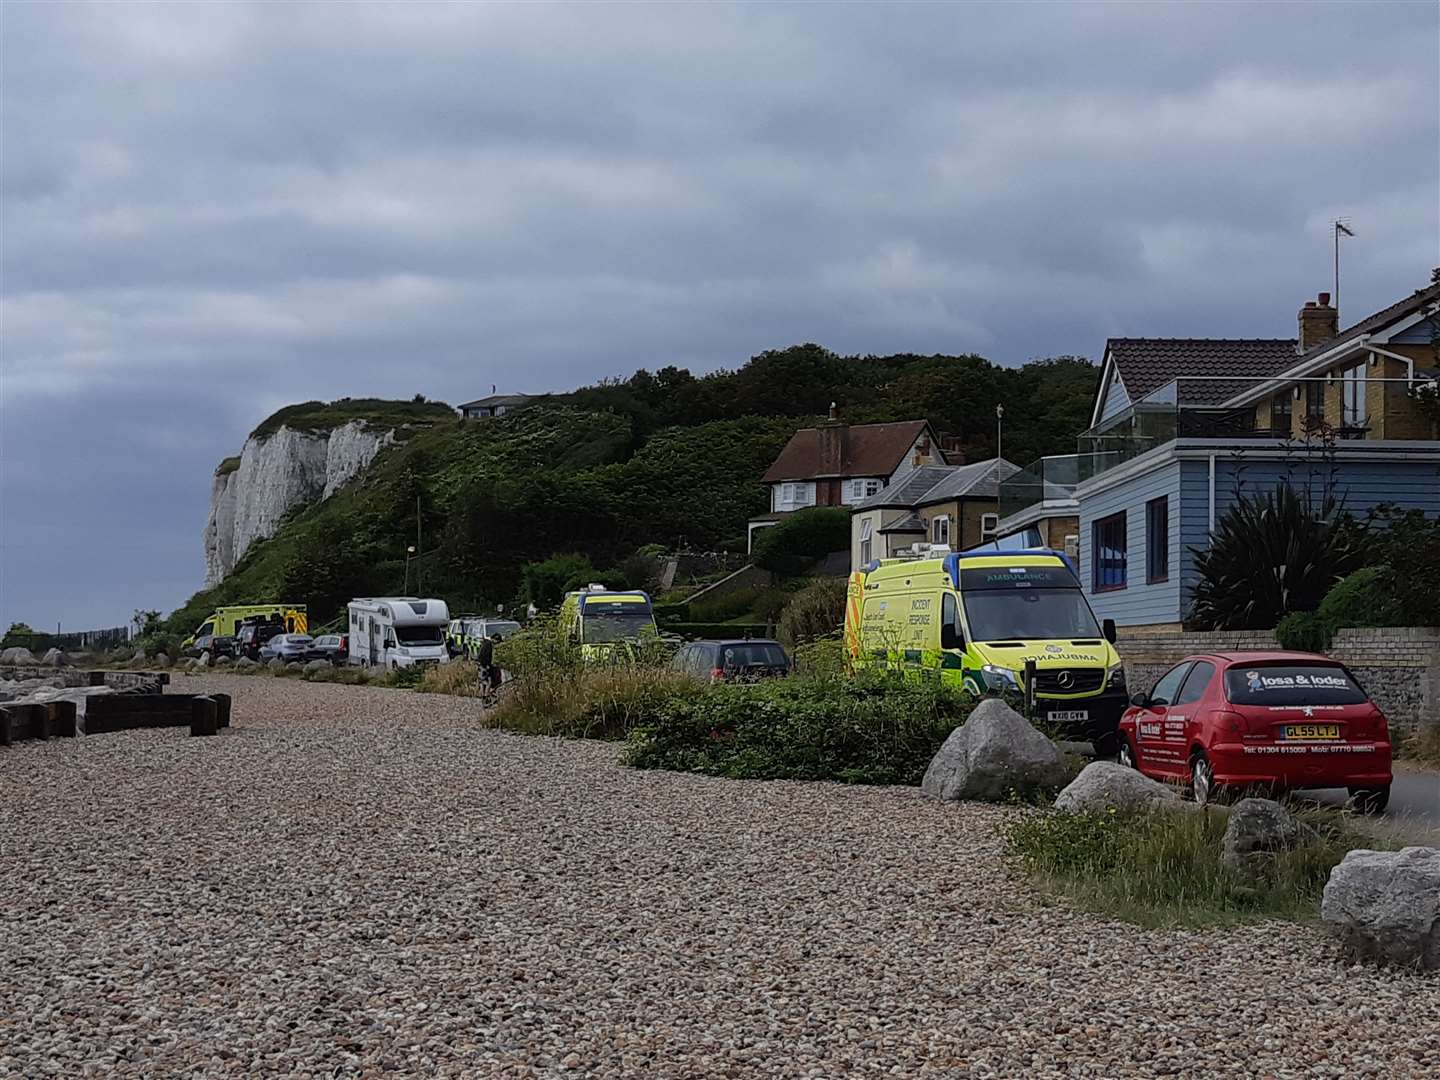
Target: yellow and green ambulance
(975, 618)
(606, 625)
(225, 621)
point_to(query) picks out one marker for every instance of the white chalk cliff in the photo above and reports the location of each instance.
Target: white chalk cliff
(277, 472)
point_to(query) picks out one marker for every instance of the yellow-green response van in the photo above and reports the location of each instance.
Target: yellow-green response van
(607, 625)
(225, 621)
(975, 618)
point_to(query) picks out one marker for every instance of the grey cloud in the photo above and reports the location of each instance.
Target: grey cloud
(215, 209)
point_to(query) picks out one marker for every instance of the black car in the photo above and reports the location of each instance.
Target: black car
(252, 635)
(740, 660)
(214, 644)
(332, 647)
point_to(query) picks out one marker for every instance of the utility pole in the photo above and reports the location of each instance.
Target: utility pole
(419, 552)
(1340, 228)
(999, 434)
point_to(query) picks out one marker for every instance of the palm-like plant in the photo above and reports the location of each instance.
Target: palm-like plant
(1272, 554)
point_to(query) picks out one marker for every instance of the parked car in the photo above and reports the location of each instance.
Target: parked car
(287, 647)
(1227, 722)
(214, 644)
(252, 636)
(332, 647)
(732, 660)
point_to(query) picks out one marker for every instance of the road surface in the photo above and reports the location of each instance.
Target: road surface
(1414, 798)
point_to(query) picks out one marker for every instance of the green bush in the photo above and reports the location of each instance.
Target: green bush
(791, 547)
(1370, 596)
(878, 730)
(1164, 869)
(544, 583)
(1304, 631)
(672, 611)
(1272, 554)
(823, 656)
(763, 603)
(814, 612)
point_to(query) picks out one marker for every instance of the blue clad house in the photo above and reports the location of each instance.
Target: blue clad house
(1182, 427)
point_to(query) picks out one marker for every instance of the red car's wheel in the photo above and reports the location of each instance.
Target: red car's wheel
(1126, 754)
(1202, 781)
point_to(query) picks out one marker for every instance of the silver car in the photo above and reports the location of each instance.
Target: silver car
(287, 647)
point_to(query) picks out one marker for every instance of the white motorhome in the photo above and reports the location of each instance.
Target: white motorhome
(397, 631)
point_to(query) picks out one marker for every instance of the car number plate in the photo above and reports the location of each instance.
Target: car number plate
(1311, 731)
(1067, 716)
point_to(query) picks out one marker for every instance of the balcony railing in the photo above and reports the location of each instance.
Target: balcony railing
(1186, 408)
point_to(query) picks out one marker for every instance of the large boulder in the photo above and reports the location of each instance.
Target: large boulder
(55, 658)
(994, 753)
(139, 658)
(1385, 906)
(204, 659)
(162, 660)
(223, 661)
(1104, 785)
(276, 664)
(245, 664)
(1258, 829)
(17, 655)
(294, 665)
(319, 665)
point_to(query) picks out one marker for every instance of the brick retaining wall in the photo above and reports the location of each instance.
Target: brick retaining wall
(1398, 665)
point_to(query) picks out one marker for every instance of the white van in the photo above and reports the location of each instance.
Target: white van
(397, 631)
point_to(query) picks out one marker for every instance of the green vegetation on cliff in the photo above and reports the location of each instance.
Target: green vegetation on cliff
(379, 412)
(658, 458)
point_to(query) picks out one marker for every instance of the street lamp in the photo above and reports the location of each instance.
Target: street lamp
(409, 554)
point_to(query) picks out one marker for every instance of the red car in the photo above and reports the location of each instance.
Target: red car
(1224, 722)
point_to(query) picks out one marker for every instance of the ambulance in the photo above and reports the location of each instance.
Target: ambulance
(225, 621)
(975, 618)
(606, 625)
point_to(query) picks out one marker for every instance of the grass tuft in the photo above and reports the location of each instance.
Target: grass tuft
(1163, 868)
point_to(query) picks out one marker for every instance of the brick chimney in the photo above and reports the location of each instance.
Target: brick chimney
(1318, 322)
(834, 436)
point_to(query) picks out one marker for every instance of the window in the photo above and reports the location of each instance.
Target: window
(855, 490)
(988, 524)
(1110, 552)
(1353, 382)
(1168, 687)
(1196, 683)
(1157, 539)
(794, 495)
(867, 541)
(940, 530)
(1315, 399)
(1280, 413)
(950, 614)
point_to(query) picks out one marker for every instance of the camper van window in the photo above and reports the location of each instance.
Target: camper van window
(420, 635)
(1025, 614)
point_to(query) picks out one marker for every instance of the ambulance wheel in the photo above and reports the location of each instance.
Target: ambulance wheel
(1107, 746)
(1126, 755)
(1370, 801)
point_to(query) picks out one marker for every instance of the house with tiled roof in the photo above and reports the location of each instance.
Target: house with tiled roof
(839, 464)
(1181, 427)
(953, 505)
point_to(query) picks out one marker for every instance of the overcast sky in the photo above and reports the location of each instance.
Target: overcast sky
(214, 210)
